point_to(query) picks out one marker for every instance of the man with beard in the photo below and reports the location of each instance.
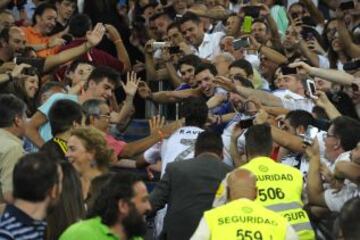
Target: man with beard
(118, 212)
(37, 188)
(12, 43)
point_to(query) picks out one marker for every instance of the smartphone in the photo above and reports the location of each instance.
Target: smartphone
(241, 43)
(158, 45)
(311, 87)
(310, 135)
(307, 33)
(37, 63)
(246, 25)
(246, 123)
(347, 5)
(174, 50)
(308, 21)
(287, 70)
(252, 11)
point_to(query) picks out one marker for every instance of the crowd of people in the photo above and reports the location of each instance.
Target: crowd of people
(251, 108)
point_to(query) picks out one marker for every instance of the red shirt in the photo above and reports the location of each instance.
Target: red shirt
(96, 56)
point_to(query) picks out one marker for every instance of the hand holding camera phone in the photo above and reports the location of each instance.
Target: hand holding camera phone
(310, 135)
(311, 87)
(241, 43)
(160, 45)
(246, 123)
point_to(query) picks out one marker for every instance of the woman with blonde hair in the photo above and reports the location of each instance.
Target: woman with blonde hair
(89, 154)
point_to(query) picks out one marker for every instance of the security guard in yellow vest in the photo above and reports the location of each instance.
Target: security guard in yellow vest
(279, 186)
(243, 218)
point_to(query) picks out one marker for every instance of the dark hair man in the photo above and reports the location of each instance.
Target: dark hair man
(37, 188)
(277, 184)
(12, 129)
(189, 187)
(342, 136)
(118, 211)
(64, 116)
(206, 45)
(65, 9)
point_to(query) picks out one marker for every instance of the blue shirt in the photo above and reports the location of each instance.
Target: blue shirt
(15, 224)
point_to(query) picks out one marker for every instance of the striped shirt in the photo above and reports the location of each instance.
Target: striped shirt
(15, 224)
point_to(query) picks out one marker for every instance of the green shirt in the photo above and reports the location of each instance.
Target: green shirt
(90, 229)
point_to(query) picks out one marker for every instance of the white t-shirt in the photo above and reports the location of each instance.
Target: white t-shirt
(335, 201)
(210, 46)
(179, 146)
(293, 101)
(226, 138)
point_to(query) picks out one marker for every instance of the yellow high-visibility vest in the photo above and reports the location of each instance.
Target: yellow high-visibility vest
(245, 219)
(279, 189)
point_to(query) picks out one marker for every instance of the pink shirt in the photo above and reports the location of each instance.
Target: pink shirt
(114, 144)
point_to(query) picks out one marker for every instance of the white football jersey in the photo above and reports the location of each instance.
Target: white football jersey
(179, 146)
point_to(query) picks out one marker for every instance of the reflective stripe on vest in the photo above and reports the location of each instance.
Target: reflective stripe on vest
(302, 226)
(283, 207)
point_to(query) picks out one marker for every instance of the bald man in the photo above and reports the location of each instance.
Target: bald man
(12, 41)
(241, 217)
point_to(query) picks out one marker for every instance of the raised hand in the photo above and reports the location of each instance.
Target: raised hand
(112, 33)
(95, 36)
(156, 123)
(144, 91)
(321, 100)
(18, 70)
(131, 85)
(302, 66)
(313, 151)
(225, 83)
(261, 117)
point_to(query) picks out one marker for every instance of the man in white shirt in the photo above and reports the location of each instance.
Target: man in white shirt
(343, 135)
(180, 145)
(204, 45)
